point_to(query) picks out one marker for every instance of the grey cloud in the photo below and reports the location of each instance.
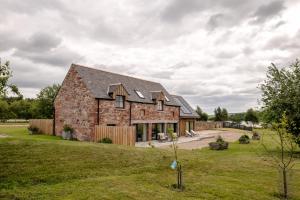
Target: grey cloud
(30, 6)
(166, 74)
(268, 10)
(226, 54)
(40, 42)
(179, 65)
(220, 20)
(248, 50)
(8, 41)
(234, 103)
(60, 57)
(28, 75)
(177, 9)
(46, 48)
(284, 42)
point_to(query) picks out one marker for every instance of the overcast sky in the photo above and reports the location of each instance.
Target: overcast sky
(214, 53)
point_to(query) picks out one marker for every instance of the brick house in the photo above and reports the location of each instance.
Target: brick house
(90, 97)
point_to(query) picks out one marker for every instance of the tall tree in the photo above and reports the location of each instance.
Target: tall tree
(203, 116)
(281, 94)
(4, 111)
(218, 114)
(251, 116)
(221, 114)
(224, 114)
(5, 86)
(45, 101)
(21, 109)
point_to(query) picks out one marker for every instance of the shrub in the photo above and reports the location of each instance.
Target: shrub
(219, 144)
(34, 130)
(244, 139)
(106, 140)
(68, 128)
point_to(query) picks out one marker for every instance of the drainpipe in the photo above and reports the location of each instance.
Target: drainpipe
(53, 124)
(98, 110)
(129, 113)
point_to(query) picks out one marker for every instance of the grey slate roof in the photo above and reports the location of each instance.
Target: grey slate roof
(186, 111)
(98, 82)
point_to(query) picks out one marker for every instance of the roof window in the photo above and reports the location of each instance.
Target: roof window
(139, 94)
(167, 99)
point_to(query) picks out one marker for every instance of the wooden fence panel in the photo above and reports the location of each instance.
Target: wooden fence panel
(44, 125)
(124, 135)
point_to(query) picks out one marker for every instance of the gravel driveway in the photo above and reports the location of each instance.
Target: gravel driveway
(229, 136)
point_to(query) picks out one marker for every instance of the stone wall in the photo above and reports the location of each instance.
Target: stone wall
(202, 125)
(149, 112)
(140, 113)
(109, 114)
(75, 106)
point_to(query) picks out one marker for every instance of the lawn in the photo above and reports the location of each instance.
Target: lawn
(46, 167)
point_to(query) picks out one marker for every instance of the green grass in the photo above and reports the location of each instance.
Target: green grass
(46, 167)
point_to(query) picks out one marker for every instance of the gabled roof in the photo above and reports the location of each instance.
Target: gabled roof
(98, 82)
(186, 111)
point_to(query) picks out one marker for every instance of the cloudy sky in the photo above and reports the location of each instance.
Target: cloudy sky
(214, 53)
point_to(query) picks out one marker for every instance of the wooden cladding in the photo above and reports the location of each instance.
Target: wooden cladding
(45, 126)
(124, 135)
(120, 91)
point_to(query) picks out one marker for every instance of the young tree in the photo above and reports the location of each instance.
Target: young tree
(45, 101)
(176, 163)
(203, 116)
(251, 116)
(284, 154)
(5, 75)
(281, 93)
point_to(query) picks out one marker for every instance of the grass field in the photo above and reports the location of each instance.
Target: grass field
(46, 167)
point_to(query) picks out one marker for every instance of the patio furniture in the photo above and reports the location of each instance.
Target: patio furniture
(188, 134)
(194, 133)
(162, 137)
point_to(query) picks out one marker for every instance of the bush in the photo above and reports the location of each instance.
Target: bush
(34, 130)
(219, 144)
(68, 128)
(106, 140)
(244, 139)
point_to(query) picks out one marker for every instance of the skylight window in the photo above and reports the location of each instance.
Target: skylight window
(140, 94)
(167, 99)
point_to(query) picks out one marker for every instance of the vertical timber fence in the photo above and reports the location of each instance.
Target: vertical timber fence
(45, 126)
(124, 135)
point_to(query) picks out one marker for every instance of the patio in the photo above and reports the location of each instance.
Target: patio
(196, 142)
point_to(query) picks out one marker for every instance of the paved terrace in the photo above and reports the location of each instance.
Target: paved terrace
(196, 142)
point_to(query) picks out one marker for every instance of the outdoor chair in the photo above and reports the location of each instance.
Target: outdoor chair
(162, 137)
(188, 134)
(194, 133)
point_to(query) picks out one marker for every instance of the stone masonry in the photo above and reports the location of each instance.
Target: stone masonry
(75, 106)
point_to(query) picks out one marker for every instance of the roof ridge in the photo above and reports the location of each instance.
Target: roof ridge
(77, 65)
